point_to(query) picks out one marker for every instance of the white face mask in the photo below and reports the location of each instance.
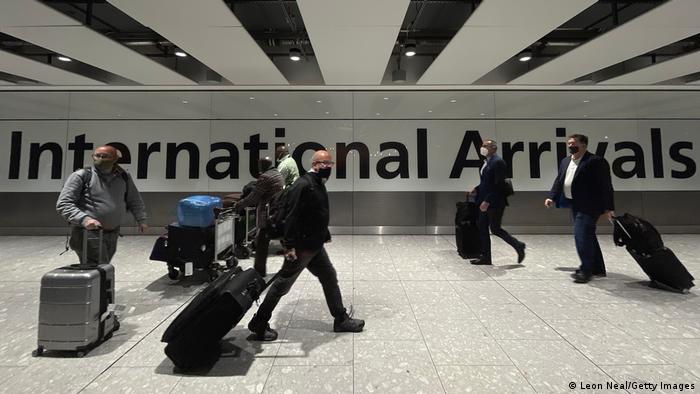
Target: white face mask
(484, 151)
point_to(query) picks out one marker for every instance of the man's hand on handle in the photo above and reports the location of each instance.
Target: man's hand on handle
(92, 224)
(290, 254)
(548, 203)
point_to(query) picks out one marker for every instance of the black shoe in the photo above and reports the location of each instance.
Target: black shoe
(348, 324)
(521, 253)
(595, 274)
(262, 331)
(481, 261)
(582, 277)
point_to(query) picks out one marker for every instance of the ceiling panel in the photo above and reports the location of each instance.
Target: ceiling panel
(209, 31)
(497, 31)
(353, 40)
(663, 25)
(5, 83)
(51, 31)
(659, 72)
(42, 72)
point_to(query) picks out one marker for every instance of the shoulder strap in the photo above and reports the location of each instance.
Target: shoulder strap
(86, 177)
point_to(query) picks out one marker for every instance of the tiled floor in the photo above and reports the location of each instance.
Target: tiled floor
(435, 324)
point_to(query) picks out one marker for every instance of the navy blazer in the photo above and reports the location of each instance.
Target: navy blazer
(492, 183)
(591, 188)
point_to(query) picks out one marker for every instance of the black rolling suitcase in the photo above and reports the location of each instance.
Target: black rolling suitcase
(193, 338)
(466, 230)
(644, 244)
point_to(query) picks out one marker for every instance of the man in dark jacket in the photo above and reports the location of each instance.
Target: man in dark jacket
(584, 185)
(97, 198)
(492, 202)
(305, 232)
(270, 182)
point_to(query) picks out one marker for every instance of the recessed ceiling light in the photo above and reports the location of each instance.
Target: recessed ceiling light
(453, 101)
(482, 114)
(586, 101)
(525, 55)
(378, 114)
(180, 53)
(430, 110)
(295, 54)
(410, 50)
(386, 98)
(185, 101)
(274, 114)
(63, 58)
(251, 98)
(585, 116)
(319, 101)
(327, 113)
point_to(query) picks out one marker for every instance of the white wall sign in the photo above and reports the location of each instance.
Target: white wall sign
(398, 154)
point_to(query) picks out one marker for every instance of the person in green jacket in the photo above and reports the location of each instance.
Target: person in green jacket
(286, 165)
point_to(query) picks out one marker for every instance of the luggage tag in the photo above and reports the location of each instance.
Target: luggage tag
(188, 269)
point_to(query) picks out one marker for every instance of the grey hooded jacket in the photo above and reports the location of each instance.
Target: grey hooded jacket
(106, 198)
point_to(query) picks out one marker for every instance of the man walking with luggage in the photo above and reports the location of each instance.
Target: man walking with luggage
(270, 182)
(287, 166)
(97, 198)
(584, 185)
(305, 232)
(492, 202)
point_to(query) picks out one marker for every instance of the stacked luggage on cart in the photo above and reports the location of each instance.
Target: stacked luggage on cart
(202, 237)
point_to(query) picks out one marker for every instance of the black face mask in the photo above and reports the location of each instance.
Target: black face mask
(573, 149)
(324, 173)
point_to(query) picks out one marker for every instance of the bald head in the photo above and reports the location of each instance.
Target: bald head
(105, 157)
(322, 163)
(281, 151)
(106, 152)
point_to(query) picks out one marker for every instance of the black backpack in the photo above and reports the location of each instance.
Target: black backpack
(636, 234)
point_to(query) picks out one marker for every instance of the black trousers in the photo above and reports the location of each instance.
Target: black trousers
(262, 246)
(492, 219)
(319, 265)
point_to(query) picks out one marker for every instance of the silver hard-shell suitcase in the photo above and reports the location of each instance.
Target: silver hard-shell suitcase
(74, 308)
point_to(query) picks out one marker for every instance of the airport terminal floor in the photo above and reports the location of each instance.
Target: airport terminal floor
(434, 324)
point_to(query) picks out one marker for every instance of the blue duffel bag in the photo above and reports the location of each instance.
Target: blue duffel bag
(197, 211)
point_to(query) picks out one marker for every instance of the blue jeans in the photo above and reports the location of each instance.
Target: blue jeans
(587, 245)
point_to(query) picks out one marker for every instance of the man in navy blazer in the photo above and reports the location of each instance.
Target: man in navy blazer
(584, 185)
(492, 202)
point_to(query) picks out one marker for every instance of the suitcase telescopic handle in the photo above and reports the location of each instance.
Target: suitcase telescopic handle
(615, 221)
(85, 243)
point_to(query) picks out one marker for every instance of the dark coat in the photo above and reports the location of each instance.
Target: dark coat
(591, 189)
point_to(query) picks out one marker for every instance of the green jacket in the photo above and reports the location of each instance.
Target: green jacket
(289, 170)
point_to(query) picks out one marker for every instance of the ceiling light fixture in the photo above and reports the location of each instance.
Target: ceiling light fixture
(525, 55)
(295, 54)
(64, 58)
(410, 50)
(453, 101)
(180, 53)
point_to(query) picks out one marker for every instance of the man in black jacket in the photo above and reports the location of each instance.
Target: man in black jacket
(305, 232)
(584, 185)
(492, 202)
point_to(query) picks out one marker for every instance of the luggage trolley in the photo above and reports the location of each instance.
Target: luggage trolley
(189, 249)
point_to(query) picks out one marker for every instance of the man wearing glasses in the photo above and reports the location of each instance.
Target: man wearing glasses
(305, 232)
(97, 197)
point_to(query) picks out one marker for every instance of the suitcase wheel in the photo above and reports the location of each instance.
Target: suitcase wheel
(213, 275)
(38, 351)
(173, 273)
(80, 354)
(231, 262)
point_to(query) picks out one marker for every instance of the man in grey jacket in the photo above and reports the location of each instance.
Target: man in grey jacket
(97, 198)
(270, 182)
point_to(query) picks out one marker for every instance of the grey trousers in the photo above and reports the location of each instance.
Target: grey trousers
(109, 245)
